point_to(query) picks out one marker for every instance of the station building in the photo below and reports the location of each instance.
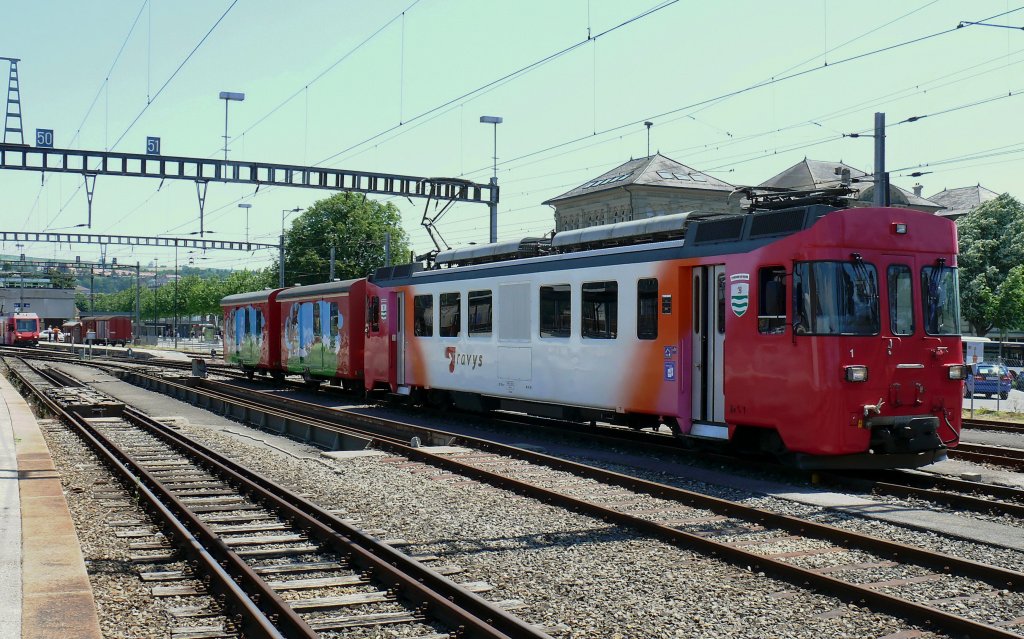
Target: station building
(959, 202)
(642, 188)
(52, 305)
(658, 185)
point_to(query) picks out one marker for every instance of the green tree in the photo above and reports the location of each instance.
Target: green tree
(1009, 302)
(355, 226)
(59, 279)
(991, 245)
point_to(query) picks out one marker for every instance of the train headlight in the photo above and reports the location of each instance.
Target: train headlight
(957, 371)
(856, 373)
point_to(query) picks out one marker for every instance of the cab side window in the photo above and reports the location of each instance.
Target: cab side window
(771, 300)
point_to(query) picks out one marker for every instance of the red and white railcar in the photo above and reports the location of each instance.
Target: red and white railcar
(828, 336)
(19, 329)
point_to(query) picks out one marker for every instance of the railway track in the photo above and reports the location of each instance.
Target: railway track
(947, 491)
(1010, 458)
(996, 425)
(753, 538)
(282, 565)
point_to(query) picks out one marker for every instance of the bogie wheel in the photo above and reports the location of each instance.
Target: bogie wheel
(249, 375)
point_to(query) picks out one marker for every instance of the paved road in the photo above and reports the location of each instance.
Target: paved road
(1014, 403)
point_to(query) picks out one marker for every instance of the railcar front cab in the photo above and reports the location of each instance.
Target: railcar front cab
(898, 361)
(23, 329)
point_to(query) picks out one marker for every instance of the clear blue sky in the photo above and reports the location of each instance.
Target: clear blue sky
(428, 53)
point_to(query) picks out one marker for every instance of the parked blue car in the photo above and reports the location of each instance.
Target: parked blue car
(987, 379)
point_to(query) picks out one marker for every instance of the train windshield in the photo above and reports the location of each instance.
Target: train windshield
(25, 325)
(835, 298)
(941, 299)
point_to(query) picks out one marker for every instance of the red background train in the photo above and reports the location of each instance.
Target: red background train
(19, 329)
(829, 337)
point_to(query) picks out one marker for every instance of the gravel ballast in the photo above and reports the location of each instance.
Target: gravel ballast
(582, 576)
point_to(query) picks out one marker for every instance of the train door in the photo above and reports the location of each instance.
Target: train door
(398, 321)
(899, 321)
(707, 361)
(377, 350)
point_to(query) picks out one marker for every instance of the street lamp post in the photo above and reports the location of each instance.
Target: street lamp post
(228, 96)
(493, 204)
(246, 206)
(175, 295)
(156, 298)
(280, 247)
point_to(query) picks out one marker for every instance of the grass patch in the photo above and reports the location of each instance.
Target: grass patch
(1003, 415)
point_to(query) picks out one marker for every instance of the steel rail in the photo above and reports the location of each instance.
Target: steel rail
(993, 425)
(936, 489)
(978, 504)
(421, 587)
(1005, 457)
(254, 618)
(928, 616)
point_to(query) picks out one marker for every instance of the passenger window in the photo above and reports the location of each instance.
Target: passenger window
(423, 316)
(647, 308)
(450, 320)
(555, 310)
(600, 310)
(479, 312)
(373, 314)
(335, 328)
(835, 298)
(771, 301)
(900, 282)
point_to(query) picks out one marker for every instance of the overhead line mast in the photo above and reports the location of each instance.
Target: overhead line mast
(13, 111)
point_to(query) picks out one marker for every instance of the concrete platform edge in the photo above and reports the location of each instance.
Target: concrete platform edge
(56, 596)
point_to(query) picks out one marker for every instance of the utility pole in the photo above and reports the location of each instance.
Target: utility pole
(331, 278)
(648, 125)
(156, 298)
(13, 110)
(176, 294)
(881, 197)
(493, 203)
(138, 302)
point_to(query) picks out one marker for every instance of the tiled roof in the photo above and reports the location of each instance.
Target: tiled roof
(960, 201)
(811, 174)
(816, 174)
(656, 170)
